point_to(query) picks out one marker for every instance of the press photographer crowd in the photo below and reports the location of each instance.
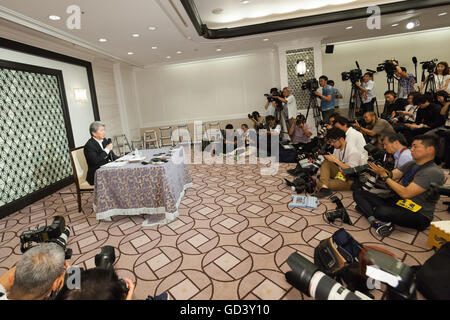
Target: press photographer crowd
(392, 161)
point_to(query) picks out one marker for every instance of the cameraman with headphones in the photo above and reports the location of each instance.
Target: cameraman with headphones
(407, 205)
(300, 131)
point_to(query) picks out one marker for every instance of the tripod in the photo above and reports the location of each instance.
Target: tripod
(390, 82)
(355, 101)
(430, 85)
(316, 112)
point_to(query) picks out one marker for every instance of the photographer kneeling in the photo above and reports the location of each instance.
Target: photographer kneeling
(408, 205)
(39, 274)
(345, 156)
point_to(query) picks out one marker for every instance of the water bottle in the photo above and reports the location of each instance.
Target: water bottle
(136, 152)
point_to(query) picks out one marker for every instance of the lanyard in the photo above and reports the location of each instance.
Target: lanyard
(407, 178)
(343, 155)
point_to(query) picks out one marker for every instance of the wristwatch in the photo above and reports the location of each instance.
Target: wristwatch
(384, 179)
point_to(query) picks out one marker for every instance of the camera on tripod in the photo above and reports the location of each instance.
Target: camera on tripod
(310, 85)
(388, 66)
(354, 75)
(429, 66)
(57, 232)
(340, 212)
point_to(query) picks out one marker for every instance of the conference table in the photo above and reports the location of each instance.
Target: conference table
(128, 187)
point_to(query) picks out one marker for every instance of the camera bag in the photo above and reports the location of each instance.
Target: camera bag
(433, 278)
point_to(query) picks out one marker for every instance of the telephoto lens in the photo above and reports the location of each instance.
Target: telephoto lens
(306, 277)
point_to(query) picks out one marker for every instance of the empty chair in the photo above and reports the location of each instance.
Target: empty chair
(182, 138)
(150, 139)
(138, 144)
(80, 169)
(165, 137)
(214, 132)
(121, 144)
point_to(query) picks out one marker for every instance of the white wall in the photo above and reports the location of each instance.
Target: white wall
(74, 77)
(216, 89)
(369, 53)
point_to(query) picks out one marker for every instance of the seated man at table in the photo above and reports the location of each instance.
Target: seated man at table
(98, 150)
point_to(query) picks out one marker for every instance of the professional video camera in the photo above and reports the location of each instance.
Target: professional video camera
(310, 85)
(429, 66)
(307, 278)
(57, 232)
(388, 66)
(254, 115)
(354, 75)
(340, 212)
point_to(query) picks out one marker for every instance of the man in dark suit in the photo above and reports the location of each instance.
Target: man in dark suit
(97, 150)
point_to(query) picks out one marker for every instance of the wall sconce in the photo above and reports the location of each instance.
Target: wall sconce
(80, 95)
(301, 68)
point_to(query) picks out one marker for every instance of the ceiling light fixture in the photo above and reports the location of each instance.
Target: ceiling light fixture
(442, 14)
(218, 49)
(179, 52)
(395, 24)
(130, 53)
(54, 18)
(136, 35)
(152, 28)
(168, 57)
(412, 24)
(154, 48)
(349, 27)
(217, 11)
(245, 1)
(265, 39)
(102, 40)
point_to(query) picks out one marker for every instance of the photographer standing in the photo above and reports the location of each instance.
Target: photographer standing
(328, 101)
(290, 109)
(337, 95)
(367, 89)
(406, 81)
(344, 156)
(271, 104)
(408, 205)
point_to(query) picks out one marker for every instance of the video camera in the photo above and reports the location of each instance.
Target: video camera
(254, 115)
(57, 232)
(271, 97)
(353, 75)
(429, 66)
(388, 66)
(310, 85)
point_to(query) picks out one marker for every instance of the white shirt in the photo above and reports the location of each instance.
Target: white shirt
(440, 82)
(101, 146)
(349, 155)
(291, 106)
(3, 293)
(277, 129)
(270, 109)
(369, 85)
(356, 139)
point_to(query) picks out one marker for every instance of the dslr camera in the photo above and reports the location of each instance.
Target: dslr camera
(300, 119)
(429, 66)
(354, 75)
(57, 232)
(254, 115)
(105, 260)
(340, 212)
(388, 66)
(310, 85)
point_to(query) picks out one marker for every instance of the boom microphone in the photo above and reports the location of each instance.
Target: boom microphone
(414, 60)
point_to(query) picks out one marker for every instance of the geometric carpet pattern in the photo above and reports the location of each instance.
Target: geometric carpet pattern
(230, 242)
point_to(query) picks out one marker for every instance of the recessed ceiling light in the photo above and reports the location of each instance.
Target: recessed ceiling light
(265, 39)
(442, 14)
(179, 52)
(349, 27)
(136, 35)
(151, 28)
(410, 25)
(130, 53)
(218, 50)
(102, 40)
(54, 18)
(217, 11)
(245, 1)
(154, 48)
(395, 25)
(168, 57)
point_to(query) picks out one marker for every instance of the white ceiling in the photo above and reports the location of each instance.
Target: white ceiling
(236, 13)
(117, 20)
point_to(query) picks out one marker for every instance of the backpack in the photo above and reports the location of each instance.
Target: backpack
(433, 278)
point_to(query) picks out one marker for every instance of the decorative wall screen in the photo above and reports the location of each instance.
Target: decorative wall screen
(295, 82)
(34, 126)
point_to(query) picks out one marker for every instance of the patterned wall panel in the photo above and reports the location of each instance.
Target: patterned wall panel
(33, 136)
(295, 82)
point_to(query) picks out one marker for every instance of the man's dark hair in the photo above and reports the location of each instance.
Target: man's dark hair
(229, 126)
(330, 82)
(268, 118)
(396, 137)
(370, 74)
(95, 284)
(428, 140)
(403, 69)
(442, 93)
(335, 134)
(324, 77)
(421, 99)
(343, 121)
(244, 125)
(335, 115)
(392, 93)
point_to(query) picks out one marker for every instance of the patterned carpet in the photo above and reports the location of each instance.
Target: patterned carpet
(231, 240)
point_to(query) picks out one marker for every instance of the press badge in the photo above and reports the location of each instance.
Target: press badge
(340, 176)
(408, 204)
